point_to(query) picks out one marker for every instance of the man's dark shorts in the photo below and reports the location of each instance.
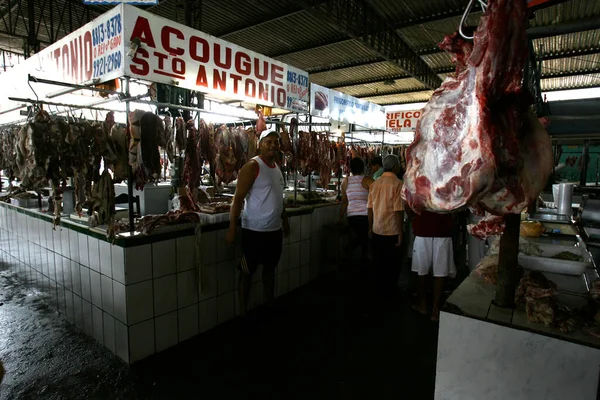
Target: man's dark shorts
(260, 248)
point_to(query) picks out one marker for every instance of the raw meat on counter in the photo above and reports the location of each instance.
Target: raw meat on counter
(150, 222)
(477, 144)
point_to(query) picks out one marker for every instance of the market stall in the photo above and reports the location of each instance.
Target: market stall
(141, 285)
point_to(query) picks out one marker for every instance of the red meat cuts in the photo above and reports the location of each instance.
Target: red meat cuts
(471, 139)
(226, 161)
(179, 135)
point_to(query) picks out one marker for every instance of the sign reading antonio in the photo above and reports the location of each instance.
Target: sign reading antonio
(167, 52)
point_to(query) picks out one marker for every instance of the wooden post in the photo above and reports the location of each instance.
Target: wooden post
(508, 273)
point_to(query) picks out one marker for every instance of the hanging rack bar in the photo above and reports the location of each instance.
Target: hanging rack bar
(72, 86)
(129, 168)
(50, 103)
(13, 109)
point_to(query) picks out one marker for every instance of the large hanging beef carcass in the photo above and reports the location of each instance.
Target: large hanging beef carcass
(225, 161)
(476, 139)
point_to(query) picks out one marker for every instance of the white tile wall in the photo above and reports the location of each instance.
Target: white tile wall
(94, 254)
(84, 257)
(70, 307)
(187, 288)
(122, 341)
(86, 289)
(138, 263)
(186, 253)
(68, 277)
(188, 322)
(226, 274)
(165, 294)
(208, 314)
(209, 281)
(107, 294)
(164, 260)
(284, 260)
(304, 274)
(294, 279)
(225, 307)
(78, 310)
(282, 283)
(294, 255)
(76, 276)
(305, 252)
(305, 227)
(96, 287)
(209, 247)
(109, 332)
(141, 340)
(62, 306)
(105, 258)
(120, 301)
(140, 306)
(118, 263)
(64, 242)
(224, 252)
(97, 317)
(74, 246)
(166, 331)
(295, 230)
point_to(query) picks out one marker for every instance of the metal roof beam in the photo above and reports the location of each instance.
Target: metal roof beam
(576, 53)
(566, 74)
(368, 81)
(312, 46)
(391, 93)
(263, 21)
(565, 28)
(352, 64)
(359, 20)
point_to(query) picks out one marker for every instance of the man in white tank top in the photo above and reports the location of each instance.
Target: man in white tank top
(264, 221)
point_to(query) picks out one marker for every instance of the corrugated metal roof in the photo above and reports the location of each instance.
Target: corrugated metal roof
(371, 71)
(566, 11)
(438, 60)
(572, 64)
(406, 10)
(567, 43)
(405, 84)
(571, 82)
(427, 36)
(415, 97)
(335, 54)
(284, 35)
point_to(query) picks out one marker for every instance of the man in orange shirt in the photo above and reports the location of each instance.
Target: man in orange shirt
(386, 213)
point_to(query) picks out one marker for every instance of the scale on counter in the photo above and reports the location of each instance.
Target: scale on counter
(590, 219)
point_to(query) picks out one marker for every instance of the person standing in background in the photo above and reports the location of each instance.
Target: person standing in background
(355, 194)
(376, 166)
(264, 220)
(432, 252)
(386, 214)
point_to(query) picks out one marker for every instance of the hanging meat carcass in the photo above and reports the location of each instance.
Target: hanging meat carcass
(225, 161)
(252, 142)
(192, 168)
(152, 130)
(119, 139)
(165, 139)
(180, 135)
(475, 138)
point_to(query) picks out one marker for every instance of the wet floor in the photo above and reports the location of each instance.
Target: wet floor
(331, 339)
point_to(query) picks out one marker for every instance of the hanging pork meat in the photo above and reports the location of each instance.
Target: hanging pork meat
(225, 161)
(152, 129)
(119, 139)
(165, 139)
(180, 135)
(192, 168)
(475, 138)
(102, 203)
(326, 160)
(252, 142)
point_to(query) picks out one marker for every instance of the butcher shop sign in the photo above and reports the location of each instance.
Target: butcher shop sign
(163, 51)
(402, 121)
(327, 103)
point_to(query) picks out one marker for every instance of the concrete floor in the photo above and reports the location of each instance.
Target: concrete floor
(331, 339)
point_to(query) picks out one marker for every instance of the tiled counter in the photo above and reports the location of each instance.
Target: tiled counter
(141, 295)
(487, 352)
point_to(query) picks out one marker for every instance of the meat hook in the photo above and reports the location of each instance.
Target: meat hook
(483, 5)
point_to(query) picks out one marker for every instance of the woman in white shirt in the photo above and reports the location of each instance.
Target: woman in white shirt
(355, 193)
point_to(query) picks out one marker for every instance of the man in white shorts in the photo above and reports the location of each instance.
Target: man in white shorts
(432, 253)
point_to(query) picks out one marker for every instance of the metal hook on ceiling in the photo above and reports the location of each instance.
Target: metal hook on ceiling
(482, 3)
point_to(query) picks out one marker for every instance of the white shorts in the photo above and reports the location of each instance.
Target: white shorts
(433, 254)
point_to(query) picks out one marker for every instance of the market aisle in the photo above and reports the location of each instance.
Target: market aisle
(325, 341)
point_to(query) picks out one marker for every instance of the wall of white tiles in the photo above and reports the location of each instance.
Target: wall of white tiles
(140, 300)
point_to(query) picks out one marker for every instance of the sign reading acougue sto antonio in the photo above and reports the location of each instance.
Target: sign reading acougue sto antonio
(163, 51)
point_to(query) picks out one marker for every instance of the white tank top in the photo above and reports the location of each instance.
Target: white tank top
(264, 203)
(357, 196)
